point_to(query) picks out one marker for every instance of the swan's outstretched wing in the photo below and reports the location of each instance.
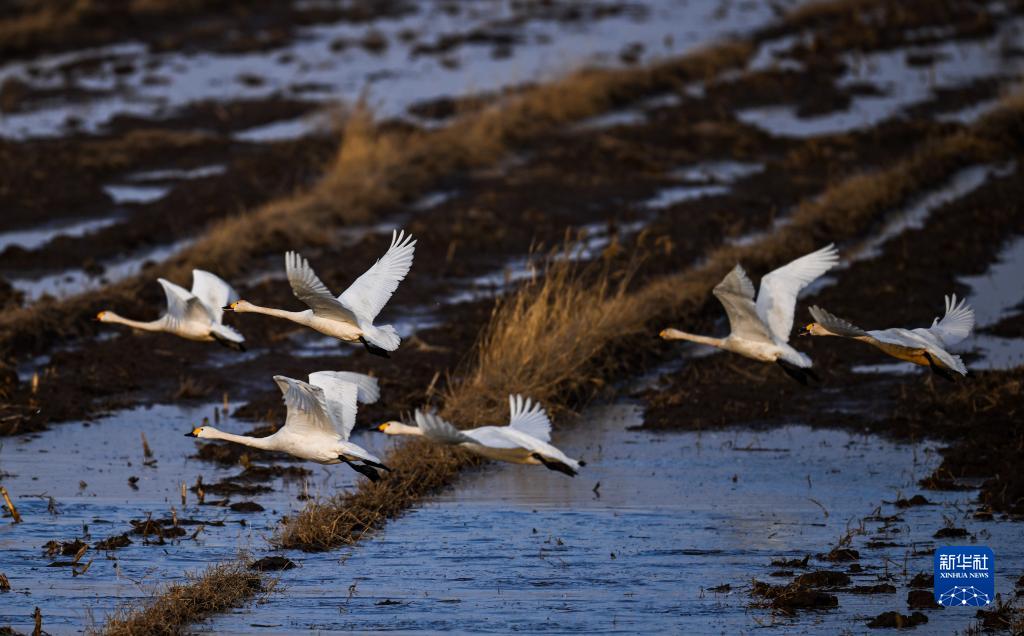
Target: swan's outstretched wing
(369, 390)
(213, 291)
(956, 324)
(371, 291)
(308, 288)
(307, 407)
(341, 391)
(776, 302)
(529, 417)
(835, 324)
(736, 293)
(438, 430)
(182, 306)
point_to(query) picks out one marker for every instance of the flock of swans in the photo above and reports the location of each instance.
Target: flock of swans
(321, 413)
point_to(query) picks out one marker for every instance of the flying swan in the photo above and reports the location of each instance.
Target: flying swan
(321, 414)
(349, 317)
(761, 331)
(194, 315)
(926, 347)
(526, 439)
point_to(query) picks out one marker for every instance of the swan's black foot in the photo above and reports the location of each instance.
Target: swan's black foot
(374, 349)
(937, 370)
(367, 471)
(555, 465)
(230, 344)
(799, 374)
(376, 465)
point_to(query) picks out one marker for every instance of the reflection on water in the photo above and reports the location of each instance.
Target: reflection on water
(633, 543)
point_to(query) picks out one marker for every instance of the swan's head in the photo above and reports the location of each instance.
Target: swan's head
(202, 431)
(814, 329)
(240, 306)
(398, 428)
(669, 334)
(105, 316)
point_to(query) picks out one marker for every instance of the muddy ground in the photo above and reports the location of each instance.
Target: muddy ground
(605, 177)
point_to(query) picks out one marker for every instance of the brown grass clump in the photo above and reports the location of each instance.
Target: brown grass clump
(181, 604)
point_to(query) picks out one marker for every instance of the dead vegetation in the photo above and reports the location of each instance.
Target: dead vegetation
(181, 604)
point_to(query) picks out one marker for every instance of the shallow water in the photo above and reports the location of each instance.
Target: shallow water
(903, 85)
(38, 236)
(392, 79)
(520, 548)
(86, 468)
(76, 281)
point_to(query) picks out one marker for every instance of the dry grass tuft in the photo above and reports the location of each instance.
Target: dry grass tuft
(181, 604)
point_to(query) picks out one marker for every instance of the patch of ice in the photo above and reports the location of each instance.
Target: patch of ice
(38, 236)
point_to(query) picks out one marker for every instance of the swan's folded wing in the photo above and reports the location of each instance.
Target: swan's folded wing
(213, 291)
(310, 290)
(835, 324)
(736, 293)
(776, 302)
(438, 430)
(369, 390)
(371, 291)
(529, 417)
(182, 306)
(307, 407)
(956, 324)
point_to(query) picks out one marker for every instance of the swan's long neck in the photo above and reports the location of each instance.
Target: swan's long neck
(300, 317)
(266, 443)
(675, 334)
(153, 325)
(404, 429)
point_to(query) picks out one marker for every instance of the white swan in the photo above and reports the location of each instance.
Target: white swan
(926, 347)
(349, 317)
(526, 439)
(321, 414)
(761, 331)
(194, 315)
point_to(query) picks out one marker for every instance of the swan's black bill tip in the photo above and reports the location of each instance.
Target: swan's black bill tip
(190, 435)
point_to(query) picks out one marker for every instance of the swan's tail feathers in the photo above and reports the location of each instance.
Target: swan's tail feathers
(800, 374)
(228, 337)
(556, 465)
(384, 337)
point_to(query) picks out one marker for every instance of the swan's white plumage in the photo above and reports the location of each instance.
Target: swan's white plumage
(371, 291)
(760, 329)
(350, 316)
(213, 292)
(956, 324)
(776, 301)
(736, 293)
(529, 417)
(951, 328)
(514, 443)
(308, 288)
